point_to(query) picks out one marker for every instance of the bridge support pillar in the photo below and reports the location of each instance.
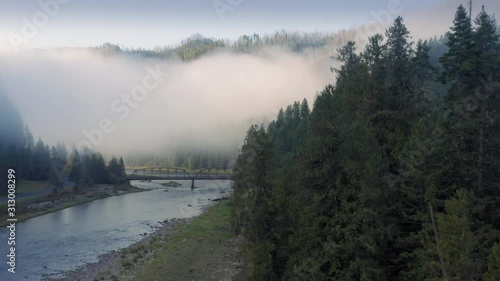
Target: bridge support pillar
(192, 184)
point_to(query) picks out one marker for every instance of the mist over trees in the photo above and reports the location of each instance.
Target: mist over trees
(309, 43)
(315, 44)
(191, 158)
(87, 168)
(37, 161)
(393, 175)
(11, 134)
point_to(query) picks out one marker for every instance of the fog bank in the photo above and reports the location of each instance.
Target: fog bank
(122, 104)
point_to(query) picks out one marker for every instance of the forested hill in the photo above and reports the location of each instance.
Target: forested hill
(393, 174)
(314, 44)
(319, 43)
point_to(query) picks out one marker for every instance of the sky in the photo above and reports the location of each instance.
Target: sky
(152, 23)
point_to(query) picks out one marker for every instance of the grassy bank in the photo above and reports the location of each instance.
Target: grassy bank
(202, 249)
(22, 212)
(31, 186)
(26, 186)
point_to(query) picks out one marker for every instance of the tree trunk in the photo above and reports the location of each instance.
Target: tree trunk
(440, 251)
(481, 150)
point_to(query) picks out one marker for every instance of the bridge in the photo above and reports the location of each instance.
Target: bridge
(172, 173)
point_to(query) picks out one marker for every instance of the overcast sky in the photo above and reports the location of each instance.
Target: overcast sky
(150, 23)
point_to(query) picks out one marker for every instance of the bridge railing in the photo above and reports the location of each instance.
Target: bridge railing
(178, 173)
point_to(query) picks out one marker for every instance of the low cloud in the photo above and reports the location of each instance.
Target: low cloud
(66, 94)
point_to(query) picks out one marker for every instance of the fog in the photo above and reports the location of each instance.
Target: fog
(121, 104)
(124, 104)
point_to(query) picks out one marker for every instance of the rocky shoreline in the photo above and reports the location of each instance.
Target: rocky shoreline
(116, 265)
(110, 265)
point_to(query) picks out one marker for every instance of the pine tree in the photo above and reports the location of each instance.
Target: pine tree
(122, 167)
(487, 65)
(114, 169)
(458, 241)
(457, 164)
(374, 52)
(493, 272)
(349, 59)
(457, 62)
(29, 148)
(41, 161)
(62, 153)
(470, 64)
(74, 167)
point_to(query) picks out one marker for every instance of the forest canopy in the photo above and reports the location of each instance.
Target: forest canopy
(393, 174)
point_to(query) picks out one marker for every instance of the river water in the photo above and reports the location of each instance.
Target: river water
(69, 238)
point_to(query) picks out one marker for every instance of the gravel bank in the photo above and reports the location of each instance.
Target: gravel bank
(109, 266)
(217, 260)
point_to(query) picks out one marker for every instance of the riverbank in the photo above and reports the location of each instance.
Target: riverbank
(199, 248)
(28, 208)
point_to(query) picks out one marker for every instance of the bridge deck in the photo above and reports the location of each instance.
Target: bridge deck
(180, 177)
(173, 173)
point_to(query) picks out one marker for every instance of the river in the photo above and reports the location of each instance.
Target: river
(71, 237)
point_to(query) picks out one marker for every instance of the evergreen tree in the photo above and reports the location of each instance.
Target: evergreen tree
(29, 148)
(374, 52)
(122, 167)
(493, 272)
(349, 59)
(96, 166)
(458, 241)
(486, 93)
(457, 61)
(62, 152)
(41, 161)
(114, 169)
(399, 51)
(387, 177)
